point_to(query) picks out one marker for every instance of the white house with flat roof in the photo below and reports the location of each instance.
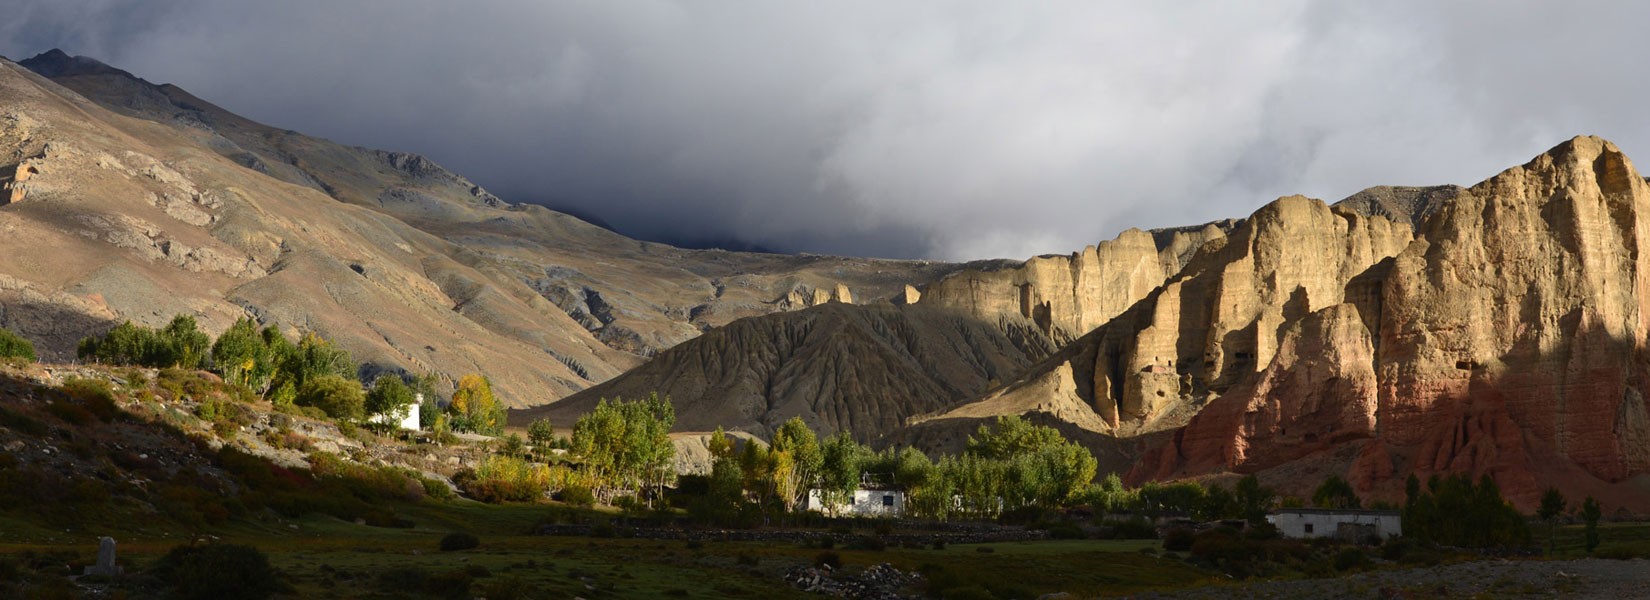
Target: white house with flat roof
(1345, 524)
(873, 501)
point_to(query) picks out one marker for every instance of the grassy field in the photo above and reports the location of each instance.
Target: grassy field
(1615, 539)
(326, 557)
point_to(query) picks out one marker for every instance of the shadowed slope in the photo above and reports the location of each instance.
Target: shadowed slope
(860, 368)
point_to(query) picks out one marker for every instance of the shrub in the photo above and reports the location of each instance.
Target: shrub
(508, 588)
(1616, 553)
(22, 423)
(336, 396)
(14, 346)
(1351, 558)
(828, 558)
(96, 396)
(578, 495)
(1138, 528)
(69, 411)
(452, 584)
(218, 571)
(507, 479)
(459, 540)
(1179, 540)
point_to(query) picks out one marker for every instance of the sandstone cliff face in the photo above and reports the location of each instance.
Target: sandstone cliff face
(1507, 340)
(1217, 323)
(1066, 296)
(864, 369)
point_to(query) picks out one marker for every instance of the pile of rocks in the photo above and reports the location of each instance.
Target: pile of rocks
(877, 582)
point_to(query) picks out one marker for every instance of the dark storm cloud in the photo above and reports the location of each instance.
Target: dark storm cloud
(944, 130)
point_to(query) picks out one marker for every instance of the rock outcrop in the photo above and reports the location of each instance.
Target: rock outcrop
(1066, 296)
(1401, 204)
(1508, 340)
(1215, 324)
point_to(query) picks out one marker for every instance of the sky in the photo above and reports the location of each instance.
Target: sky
(940, 130)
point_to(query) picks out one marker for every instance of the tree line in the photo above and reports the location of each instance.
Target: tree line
(313, 375)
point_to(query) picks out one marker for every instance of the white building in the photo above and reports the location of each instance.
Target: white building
(409, 422)
(866, 502)
(1348, 525)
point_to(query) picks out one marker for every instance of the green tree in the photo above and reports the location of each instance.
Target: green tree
(188, 345)
(513, 446)
(1454, 511)
(475, 408)
(390, 397)
(1218, 504)
(719, 445)
(14, 346)
(430, 407)
(724, 498)
(1010, 436)
(839, 469)
(180, 344)
(340, 398)
(803, 459)
(1335, 492)
(541, 432)
(243, 357)
(313, 357)
(1552, 505)
(1110, 496)
(1590, 514)
(626, 445)
(1253, 499)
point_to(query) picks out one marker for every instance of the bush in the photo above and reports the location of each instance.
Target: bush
(1616, 553)
(1351, 558)
(452, 584)
(828, 558)
(578, 495)
(69, 412)
(1138, 528)
(507, 479)
(218, 571)
(1179, 540)
(459, 540)
(336, 396)
(14, 346)
(96, 396)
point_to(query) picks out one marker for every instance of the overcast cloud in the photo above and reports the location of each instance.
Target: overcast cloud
(949, 130)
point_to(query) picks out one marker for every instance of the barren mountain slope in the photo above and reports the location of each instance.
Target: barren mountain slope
(111, 217)
(180, 206)
(634, 296)
(860, 368)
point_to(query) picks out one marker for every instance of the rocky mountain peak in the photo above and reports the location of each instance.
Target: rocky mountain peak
(57, 63)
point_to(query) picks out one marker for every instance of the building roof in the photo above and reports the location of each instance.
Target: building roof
(1338, 511)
